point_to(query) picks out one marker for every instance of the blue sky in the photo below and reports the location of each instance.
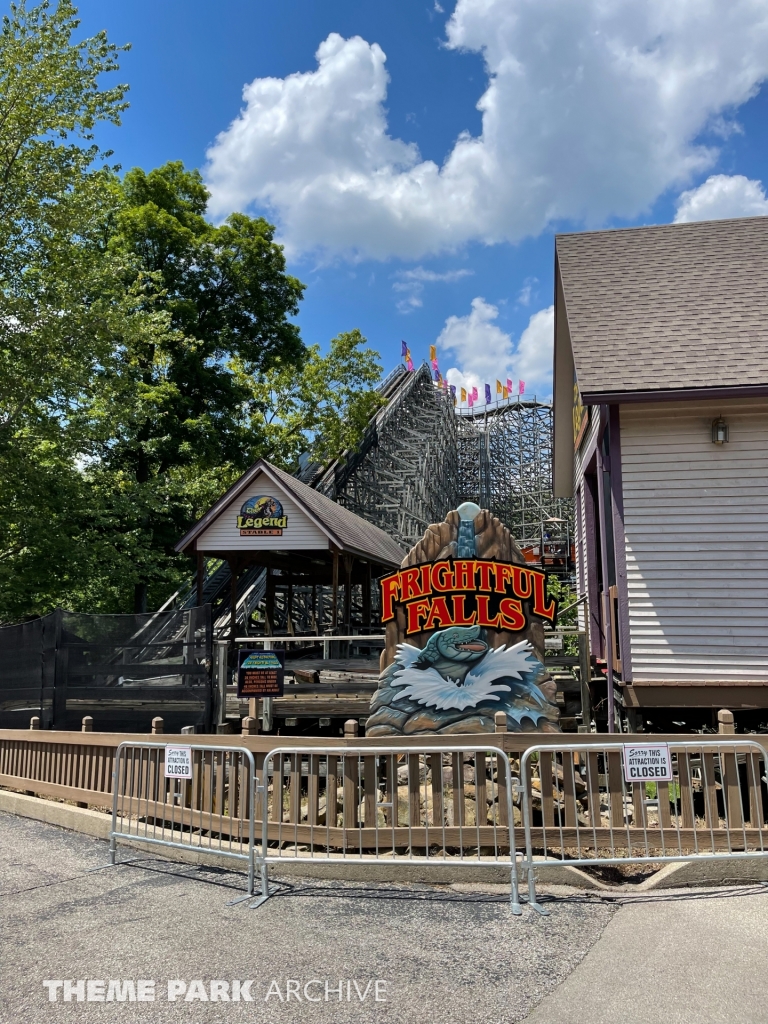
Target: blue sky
(406, 210)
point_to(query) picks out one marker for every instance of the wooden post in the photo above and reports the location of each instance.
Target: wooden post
(157, 726)
(350, 728)
(585, 672)
(335, 595)
(188, 730)
(200, 577)
(289, 628)
(253, 711)
(34, 723)
(250, 726)
(366, 596)
(87, 724)
(233, 602)
(269, 597)
(500, 721)
(725, 724)
(348, 563)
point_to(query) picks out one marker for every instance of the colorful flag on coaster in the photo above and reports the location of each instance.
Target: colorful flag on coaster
(499, 387)
(471, 400)
(404, 352)
(474, 394)
(510, 386)
(453, 390)
(463, 394)
(487, 394)
(521, 387)
(505, 392)
(409, 362)
(433, 351)
(434, 364)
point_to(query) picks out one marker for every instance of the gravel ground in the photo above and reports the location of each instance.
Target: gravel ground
(443, 955)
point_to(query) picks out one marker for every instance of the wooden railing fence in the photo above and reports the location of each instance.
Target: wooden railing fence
(343, 801)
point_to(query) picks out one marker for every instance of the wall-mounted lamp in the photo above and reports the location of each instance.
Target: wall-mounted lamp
(719, 431)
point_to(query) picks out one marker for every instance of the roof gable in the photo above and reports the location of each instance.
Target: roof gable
(342, 529)
(239, 527)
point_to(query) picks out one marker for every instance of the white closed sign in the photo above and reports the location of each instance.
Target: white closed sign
(647, 762)
(178, 762)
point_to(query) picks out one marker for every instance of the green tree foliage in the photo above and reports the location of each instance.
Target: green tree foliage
(56, 316)
(50, 100)
(170, 409)
(324, 409)
(567, 611)
(147, 356)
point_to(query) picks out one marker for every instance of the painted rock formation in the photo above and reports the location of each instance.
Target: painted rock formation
(454, 680)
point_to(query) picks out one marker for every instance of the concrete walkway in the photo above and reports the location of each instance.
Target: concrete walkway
(687, 957)
(442, 954)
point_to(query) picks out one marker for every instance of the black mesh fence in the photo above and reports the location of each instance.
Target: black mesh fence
(122, 670)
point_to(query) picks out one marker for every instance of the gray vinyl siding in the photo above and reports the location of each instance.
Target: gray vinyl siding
(696, 526)
(300, 532)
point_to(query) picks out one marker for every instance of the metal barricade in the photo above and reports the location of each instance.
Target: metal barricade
(212, 811)
(579, 808)
(447, 805)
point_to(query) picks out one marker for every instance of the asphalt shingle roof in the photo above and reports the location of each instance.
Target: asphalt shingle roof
(349, 532)
(670, 307)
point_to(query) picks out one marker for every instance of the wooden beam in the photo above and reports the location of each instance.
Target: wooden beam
(234, 571)
(348, 563)
(270, 603)
(366, 585)
(335, 597)
(200, 576)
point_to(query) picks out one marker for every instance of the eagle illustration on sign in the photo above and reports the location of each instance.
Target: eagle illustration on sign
(464, 622)
(262, 516)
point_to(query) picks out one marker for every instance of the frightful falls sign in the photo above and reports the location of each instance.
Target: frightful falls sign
(464, 629)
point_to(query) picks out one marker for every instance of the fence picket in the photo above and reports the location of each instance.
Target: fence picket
(667, 837)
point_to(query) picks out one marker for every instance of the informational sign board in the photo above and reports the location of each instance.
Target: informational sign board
(580, 416)
(467, 592)
(260, 673)
(178, 762)
(647, 762)
(262, 516)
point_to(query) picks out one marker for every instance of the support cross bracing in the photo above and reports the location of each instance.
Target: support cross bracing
(420, 457)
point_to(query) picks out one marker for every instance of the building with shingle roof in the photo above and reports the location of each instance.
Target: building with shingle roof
(661, 435)
(270, 518)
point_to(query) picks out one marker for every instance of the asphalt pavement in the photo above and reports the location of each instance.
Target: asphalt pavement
(441, 955)
(137, 934)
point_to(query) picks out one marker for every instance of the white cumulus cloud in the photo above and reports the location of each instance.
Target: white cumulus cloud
(484, 353)
(592, 109)
(410, 283)
(722, 196)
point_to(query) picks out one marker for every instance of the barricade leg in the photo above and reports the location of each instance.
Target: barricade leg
(525, 783)
(113, 829)
(514, 894)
